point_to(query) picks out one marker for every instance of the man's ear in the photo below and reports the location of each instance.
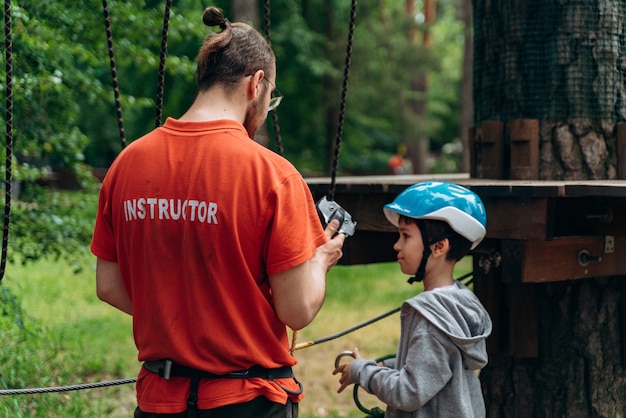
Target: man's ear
(254, 85)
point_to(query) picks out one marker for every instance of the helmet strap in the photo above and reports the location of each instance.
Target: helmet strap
(421, 270)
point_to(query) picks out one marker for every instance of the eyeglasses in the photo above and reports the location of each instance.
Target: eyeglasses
(276, 98)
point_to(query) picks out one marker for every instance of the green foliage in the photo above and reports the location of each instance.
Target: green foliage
(65, 118)
(63, 78)
(49, 223)
(64, 340)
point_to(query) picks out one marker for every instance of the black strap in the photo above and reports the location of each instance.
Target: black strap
(421, 270)
(167, 369)
(192, 400)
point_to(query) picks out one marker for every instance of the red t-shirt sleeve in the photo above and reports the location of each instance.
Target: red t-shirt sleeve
(295, 231)
(103, 240)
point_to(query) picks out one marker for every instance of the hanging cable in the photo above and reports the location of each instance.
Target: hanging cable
(268, 37)
(344, 94)
(9, 134)
(116, 89)
(160, 83)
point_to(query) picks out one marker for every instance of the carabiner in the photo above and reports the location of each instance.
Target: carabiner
(347, 353)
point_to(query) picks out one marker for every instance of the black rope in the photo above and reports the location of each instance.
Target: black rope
(344, 93)
(346, 331)
(9, 134)
(66, 388)
(268, 37)
(160, 83)
(116, 89)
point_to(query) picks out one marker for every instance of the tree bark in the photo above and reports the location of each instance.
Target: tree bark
(579, 370)
(570, 79)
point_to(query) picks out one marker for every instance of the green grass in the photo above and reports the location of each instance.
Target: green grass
(67, 337)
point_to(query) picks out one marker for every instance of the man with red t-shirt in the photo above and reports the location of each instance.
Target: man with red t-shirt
(212, 243)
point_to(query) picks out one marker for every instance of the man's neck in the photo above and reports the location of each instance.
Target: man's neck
(214, 104)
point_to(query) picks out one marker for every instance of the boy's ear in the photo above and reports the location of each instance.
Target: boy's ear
(440, 248)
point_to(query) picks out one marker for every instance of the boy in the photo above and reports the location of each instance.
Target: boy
(443, 329)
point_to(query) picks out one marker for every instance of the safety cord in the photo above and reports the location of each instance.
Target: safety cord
(344, 94)
(160, 82)
(268, 37)
(346, 331)
(9, 134)
(342, 111)
(116, 87)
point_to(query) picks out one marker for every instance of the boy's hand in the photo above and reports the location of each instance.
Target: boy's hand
(344, 369)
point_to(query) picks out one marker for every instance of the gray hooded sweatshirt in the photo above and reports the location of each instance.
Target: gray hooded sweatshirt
(442, 346)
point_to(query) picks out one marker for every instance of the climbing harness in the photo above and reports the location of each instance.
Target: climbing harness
(167, 369)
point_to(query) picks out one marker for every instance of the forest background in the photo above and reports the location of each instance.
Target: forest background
(407, 87)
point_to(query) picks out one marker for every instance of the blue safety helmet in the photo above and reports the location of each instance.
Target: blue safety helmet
(461, 208)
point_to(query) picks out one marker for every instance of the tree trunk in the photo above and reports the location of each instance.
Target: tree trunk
(578, 372)
(419, 146)
(467, 106)
(247, 11)
(557, 63)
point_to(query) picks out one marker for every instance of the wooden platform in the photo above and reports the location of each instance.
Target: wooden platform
(543, 230)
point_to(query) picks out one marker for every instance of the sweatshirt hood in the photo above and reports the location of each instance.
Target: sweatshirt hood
(458, 313)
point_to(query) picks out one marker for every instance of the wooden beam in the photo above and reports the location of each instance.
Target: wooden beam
(525, 218)
(548, 261)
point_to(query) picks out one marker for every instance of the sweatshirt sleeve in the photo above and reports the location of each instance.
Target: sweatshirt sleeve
(425, 373)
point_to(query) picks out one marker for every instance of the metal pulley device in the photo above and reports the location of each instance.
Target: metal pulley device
(328, 210)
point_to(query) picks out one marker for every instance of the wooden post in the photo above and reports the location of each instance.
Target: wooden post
(524, 135)
(471, 146)
(491, 150)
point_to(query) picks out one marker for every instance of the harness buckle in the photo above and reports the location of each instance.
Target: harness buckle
(239, 374)
(166, 371)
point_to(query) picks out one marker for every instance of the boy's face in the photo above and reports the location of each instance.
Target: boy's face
(409, 246)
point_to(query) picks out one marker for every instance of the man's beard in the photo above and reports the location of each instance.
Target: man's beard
(255, 116)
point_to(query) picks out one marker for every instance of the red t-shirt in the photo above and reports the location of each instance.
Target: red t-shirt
(197, 215)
